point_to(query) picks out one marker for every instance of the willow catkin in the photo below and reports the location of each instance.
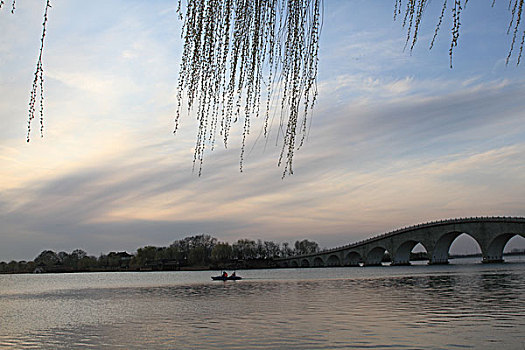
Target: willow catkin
(13, 5)
(414, 11)
(515, 22)
(234, 48)
(2, 3)
(37, 89)
(438, 25)
(236, 52)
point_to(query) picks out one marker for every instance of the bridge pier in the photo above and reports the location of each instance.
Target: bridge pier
(439, 262)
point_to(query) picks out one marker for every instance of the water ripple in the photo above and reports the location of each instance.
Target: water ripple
(478, 308)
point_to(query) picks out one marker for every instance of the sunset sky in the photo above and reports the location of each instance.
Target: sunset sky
(397, 138)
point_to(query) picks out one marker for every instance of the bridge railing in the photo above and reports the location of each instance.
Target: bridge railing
(410, 228)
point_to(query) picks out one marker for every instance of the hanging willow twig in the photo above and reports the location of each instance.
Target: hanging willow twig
(13, 5)
(234, 48)
(235, 51)
(415, 9)
(38, 82)
(517, 8)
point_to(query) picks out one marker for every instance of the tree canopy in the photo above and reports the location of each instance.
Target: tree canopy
(193, 252)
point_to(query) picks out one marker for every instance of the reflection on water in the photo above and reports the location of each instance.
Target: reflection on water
(423, 307)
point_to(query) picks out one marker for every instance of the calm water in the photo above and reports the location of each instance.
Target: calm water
(418, 307)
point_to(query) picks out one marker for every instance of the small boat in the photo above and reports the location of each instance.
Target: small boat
(226, 278)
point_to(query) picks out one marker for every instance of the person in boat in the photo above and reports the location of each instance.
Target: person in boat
(224, 274)
(233, 274)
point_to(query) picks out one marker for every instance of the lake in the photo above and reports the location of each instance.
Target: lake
(464, 305)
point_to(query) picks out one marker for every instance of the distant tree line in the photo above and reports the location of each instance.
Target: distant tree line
(195, 252)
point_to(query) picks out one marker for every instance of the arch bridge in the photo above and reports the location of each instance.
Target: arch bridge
(491, 234)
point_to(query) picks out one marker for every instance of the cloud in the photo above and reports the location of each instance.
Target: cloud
(395, 140)
(151, 201)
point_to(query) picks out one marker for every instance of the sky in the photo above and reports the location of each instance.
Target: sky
(397, 137)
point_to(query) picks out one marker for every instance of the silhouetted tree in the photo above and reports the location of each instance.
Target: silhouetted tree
(272, 250)
(87, 263)
(244, 249)
(305, 247)
(286, 251)
(47, 258)
(222, 252)
(178, 252)
(144, 255)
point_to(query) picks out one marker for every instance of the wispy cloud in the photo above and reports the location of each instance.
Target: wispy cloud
(391, 143)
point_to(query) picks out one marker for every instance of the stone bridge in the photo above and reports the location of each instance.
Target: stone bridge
(491, 233)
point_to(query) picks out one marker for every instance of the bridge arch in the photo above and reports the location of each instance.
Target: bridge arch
(333, 260)
(401, 256)
(318, 262)
(441, 249)
(494, 251)
(305, 263)
(353, 259)
(517, 242)
(294, 263)
(375, 256)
